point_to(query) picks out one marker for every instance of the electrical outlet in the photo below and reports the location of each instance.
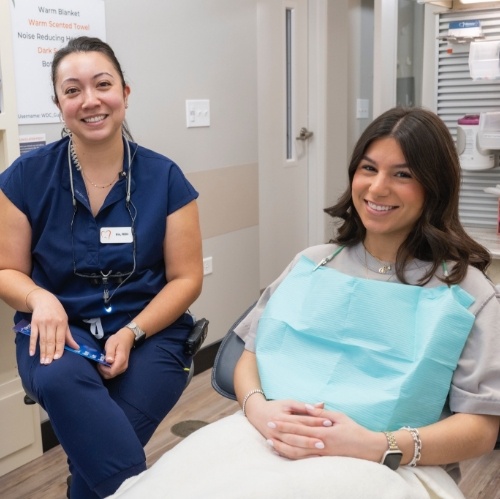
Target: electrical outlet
(207, 265)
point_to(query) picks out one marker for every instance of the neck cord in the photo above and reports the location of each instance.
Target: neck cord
(329, 257)
(107, 296)
(72, 156)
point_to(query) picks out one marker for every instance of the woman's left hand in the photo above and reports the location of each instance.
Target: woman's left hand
(338, 435)
(118, 347)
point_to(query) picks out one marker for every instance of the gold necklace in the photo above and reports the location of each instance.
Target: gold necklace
(96, 185)
(78, 166)
(383, 269)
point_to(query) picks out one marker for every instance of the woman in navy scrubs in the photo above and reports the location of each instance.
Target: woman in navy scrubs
(101, 248)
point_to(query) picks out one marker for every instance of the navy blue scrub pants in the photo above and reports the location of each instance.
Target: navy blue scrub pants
(103, 425)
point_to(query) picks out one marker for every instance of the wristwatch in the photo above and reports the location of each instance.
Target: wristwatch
(140, 335)
(393, 455)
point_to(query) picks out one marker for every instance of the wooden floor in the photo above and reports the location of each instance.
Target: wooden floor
(45, 477)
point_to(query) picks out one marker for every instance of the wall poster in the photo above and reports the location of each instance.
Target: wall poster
(39, 29)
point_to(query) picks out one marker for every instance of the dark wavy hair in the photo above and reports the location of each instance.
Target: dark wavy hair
(431, 156)
(88, 44)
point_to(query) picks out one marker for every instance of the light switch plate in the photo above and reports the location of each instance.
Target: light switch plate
(362, 108)
(197, 113)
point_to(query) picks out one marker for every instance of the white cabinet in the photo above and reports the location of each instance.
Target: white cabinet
(20, 435)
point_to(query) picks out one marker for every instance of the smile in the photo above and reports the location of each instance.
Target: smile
(379, 207)
(94, 119)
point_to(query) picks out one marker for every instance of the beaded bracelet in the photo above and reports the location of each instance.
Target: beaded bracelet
(247, 396)
(417, 453)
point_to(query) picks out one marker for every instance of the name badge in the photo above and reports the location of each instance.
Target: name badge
(116, 235)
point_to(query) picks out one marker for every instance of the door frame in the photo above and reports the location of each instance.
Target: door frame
(328, 113)
(329, 80)
(317, 110)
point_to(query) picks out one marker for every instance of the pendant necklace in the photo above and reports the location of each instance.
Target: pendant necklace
(78, 166)
(384, 267)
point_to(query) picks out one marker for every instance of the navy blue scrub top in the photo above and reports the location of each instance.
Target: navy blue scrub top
(38, 183)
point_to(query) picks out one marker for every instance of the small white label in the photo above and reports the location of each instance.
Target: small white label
(115, 235)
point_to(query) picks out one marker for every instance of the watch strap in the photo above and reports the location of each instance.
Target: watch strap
(391, 440)
(393, 455)
(140, 335)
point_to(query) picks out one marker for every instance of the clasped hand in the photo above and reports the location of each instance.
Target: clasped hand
(296, 430)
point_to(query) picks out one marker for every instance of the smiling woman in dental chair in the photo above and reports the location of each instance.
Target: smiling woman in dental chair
(100, 247)
(375, 357)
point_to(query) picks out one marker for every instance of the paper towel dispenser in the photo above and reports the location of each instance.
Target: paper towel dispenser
(488, 135)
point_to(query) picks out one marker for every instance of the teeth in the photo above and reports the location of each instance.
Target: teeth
(378, 207)
(94, 119)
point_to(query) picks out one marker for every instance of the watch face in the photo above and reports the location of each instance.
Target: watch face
(392, 459)
(139, 338)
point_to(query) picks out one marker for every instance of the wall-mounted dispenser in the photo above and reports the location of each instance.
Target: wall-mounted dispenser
(489, 130)
(472, 156)
(484, 60)
(460, 35)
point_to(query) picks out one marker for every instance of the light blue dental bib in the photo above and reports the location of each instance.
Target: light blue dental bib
(383, 353)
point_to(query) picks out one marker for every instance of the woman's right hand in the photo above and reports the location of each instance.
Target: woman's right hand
(49, 322)
(260, 412)
(49, 326)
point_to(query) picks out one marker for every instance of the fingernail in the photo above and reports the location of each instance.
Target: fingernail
(271, 425)
(42, 361)
(327, 422)
(270, 442)
(309, 406)
(56, 356)
(319, 445)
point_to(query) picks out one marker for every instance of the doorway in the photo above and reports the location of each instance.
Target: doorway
(285, 140)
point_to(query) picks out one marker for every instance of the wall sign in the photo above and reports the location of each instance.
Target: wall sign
(39, 29)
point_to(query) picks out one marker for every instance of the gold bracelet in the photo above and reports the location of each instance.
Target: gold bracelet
(247, 396)
(26, 298)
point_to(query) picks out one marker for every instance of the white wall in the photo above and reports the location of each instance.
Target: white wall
(200, 49)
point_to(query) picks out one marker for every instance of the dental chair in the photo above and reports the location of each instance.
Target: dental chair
(229, 352)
